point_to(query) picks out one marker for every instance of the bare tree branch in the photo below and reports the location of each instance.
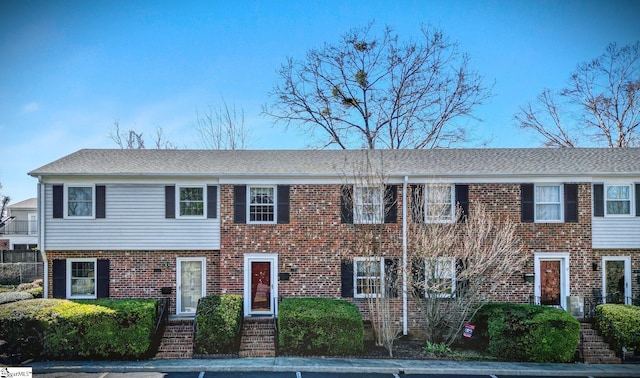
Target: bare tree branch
(223, 128)
(371, 91)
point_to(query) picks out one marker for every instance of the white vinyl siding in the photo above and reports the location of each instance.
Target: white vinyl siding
(135, 220)
(616, 232)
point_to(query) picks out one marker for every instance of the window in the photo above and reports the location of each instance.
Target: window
(548, 203)
(368, 205)
(82, 278)
(618, 199)
(80, 201)
(191, 201)
(440, 277)
(438, 203)
(368, 277)
(262, 202)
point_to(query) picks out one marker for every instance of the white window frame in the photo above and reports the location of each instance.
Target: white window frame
(442, 262)
(631, 199)
(70, 277)
(360, 202)
(204, 201)
(274, 205)
(536, 202)
(378, 260)
(451, 203)
(93, 201)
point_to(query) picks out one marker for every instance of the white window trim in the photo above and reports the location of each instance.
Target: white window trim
(452, 203)
(69, 278)
(204, 200)
(203, 287)
(358, 203)
(627, 277)
(631, 200)
(275, 204)
(379, 260)
(453, 277)
(66, 201)
(535, 203)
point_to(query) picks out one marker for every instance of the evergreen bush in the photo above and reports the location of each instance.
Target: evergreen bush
(218, 320)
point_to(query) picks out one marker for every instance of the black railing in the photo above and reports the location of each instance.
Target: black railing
(20, 227)
(161, 321)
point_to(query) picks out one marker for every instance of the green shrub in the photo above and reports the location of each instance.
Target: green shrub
(34, 288)
(318, 326)
(518, 332)
(620, 325)
(218, 319)
(62, 329)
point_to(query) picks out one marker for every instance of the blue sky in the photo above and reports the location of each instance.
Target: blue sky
(68, 69)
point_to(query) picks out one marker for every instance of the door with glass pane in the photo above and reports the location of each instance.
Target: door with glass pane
(260, 284)
(191, 284)
(616, 279)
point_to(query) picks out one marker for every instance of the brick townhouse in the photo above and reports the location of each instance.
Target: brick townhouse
(271, 224)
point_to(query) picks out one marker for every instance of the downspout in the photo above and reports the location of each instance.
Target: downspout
(405, 328)
(41, 238)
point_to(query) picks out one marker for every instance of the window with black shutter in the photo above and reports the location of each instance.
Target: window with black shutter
(527, 205)
(346, 278)
(571, 203)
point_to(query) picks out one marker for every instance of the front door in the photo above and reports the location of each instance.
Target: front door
(260, 284)
(191, 284)
(616, 279)
(550, 282)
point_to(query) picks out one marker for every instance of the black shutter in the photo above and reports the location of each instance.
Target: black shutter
(418, 277)
(391, 204)
(527, 213)
(100, 201)
(598, 200)
(169, 201)
(58, 201)
(637, 200)
(240, 204)
(346, 204)
(462, 200)
(283, 203)
(346, 278)
(212, 201)
(417, 203)
(103, 279)
(571, 203)
(391, 277)
(59, 278)
(461, 284)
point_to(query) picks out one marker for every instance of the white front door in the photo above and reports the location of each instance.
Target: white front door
(191, 284)
(552, 279)
(616, 279)
(260, 284)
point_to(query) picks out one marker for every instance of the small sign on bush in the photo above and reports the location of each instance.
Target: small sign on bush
(468, 330)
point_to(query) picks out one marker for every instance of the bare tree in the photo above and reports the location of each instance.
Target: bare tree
(371, 91)
(223, 128)
(601, 103)
(132, 139)
(4, 200)
(457, 259)
(369, 199)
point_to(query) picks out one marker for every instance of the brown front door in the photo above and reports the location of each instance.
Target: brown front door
(261, 286)
(550, 282)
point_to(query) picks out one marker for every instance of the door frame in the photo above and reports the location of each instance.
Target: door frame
(565, 291)
(271, 258)
(627, 277)
(179, 261)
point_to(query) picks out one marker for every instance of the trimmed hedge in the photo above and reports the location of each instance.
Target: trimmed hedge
(319, 326)
(63, 329)
(218, 319)
(518, 332)
(623, 318)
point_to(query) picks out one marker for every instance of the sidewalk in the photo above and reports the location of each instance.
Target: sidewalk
(339, 365)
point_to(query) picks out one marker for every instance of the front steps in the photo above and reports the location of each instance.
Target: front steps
(258, 338)
(177, 340)
(596, 351)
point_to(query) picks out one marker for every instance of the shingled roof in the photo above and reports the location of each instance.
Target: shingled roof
(439, 162)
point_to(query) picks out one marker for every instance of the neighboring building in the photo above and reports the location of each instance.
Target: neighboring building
(273, 224)
(21, 229)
